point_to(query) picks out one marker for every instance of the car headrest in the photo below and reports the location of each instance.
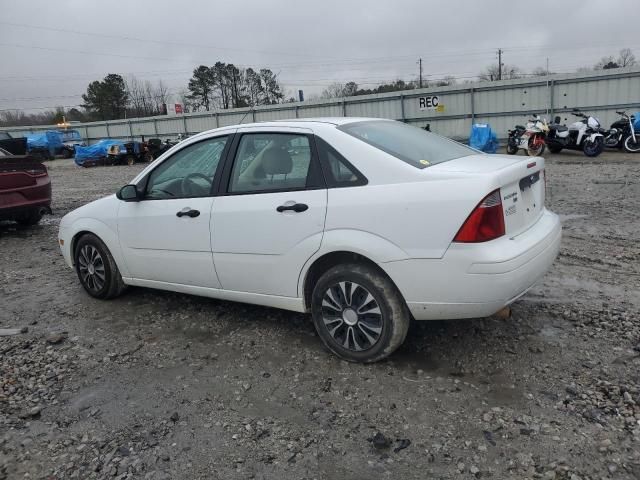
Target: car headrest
(276, 161)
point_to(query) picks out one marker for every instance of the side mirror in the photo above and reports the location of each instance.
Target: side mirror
(128, 193)
(557, 119)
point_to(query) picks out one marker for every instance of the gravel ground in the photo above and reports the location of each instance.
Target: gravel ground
(157, 385)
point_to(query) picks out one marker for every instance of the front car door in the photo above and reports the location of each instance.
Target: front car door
(165, 236)
(268, 218)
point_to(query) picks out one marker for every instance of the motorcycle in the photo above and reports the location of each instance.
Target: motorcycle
(531, 138)
(585, 135)
(622, 134)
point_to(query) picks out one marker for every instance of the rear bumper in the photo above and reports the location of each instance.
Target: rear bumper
(477, 280)
(19, 200)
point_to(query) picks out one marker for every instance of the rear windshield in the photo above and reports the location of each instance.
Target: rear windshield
(410, 144)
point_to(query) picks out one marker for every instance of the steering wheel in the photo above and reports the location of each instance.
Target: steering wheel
(187, 183)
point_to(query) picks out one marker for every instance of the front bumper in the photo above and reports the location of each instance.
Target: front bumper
(64, 242)
(477, 280)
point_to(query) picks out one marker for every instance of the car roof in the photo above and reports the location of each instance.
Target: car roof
(304, 122)
(294, 122)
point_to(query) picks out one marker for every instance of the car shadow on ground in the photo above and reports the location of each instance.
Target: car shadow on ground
(431, 346)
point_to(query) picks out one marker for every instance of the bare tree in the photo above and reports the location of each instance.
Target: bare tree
(446, 81)
(626, 58)
(606, 63)
(135, 89)
(540, 72)
(10, 118)
(335, 90)
(492, 73)
(161, 96)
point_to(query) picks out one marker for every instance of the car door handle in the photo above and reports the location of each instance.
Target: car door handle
(296, 207)
(188, 212)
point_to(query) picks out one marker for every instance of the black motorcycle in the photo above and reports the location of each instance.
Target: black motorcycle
(514, 138)
(623, 135)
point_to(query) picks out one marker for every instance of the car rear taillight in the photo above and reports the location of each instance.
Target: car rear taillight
(485, 223)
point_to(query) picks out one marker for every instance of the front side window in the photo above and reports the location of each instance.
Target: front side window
(412, 145)
(271, 161)
(187, 173)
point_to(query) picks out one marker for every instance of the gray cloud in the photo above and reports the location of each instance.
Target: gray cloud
(311, 44)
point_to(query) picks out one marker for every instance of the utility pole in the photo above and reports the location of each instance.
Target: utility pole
(499, 64)
(547, 65)
(420, 63)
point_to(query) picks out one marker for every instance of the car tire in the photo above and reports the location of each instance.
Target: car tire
(359, 313)
(31, 218)
(96, 268)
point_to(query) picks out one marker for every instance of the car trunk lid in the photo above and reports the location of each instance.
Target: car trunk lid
(19, 171)
(520, 180)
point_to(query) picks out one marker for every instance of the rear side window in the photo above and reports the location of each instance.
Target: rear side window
(412, 145)
(337, 170)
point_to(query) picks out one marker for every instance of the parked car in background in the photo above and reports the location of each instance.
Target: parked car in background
(128, 153)
(157, 147)
(70, 140)
(365, 223)
(15, 146)
(25, 189)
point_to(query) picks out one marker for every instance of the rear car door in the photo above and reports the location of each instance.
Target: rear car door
(165, 236)
(268, 218)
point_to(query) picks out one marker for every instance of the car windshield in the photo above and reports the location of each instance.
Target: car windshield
(70, 135)
(412, 145)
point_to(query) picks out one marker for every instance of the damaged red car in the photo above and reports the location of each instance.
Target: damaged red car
(25, 189)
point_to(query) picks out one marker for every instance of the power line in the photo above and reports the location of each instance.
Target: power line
(151, 40)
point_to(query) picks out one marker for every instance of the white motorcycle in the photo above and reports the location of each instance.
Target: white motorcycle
(531, 138)
(585, 135)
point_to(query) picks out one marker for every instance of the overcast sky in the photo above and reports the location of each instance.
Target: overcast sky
(51, 50)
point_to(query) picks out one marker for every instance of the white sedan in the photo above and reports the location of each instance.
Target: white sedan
(365, 223)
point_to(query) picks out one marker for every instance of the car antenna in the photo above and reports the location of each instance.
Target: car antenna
(251, 109)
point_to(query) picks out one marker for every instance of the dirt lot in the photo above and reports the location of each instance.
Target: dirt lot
(158, 385)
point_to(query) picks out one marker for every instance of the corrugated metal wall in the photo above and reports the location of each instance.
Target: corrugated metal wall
(501, 104)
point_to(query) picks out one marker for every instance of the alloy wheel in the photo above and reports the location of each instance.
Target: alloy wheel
(91, 267)
(352, 316)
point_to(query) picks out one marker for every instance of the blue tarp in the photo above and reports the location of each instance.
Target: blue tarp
(483, 138)
(50, 140)
(636, 122)
(95, 151)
